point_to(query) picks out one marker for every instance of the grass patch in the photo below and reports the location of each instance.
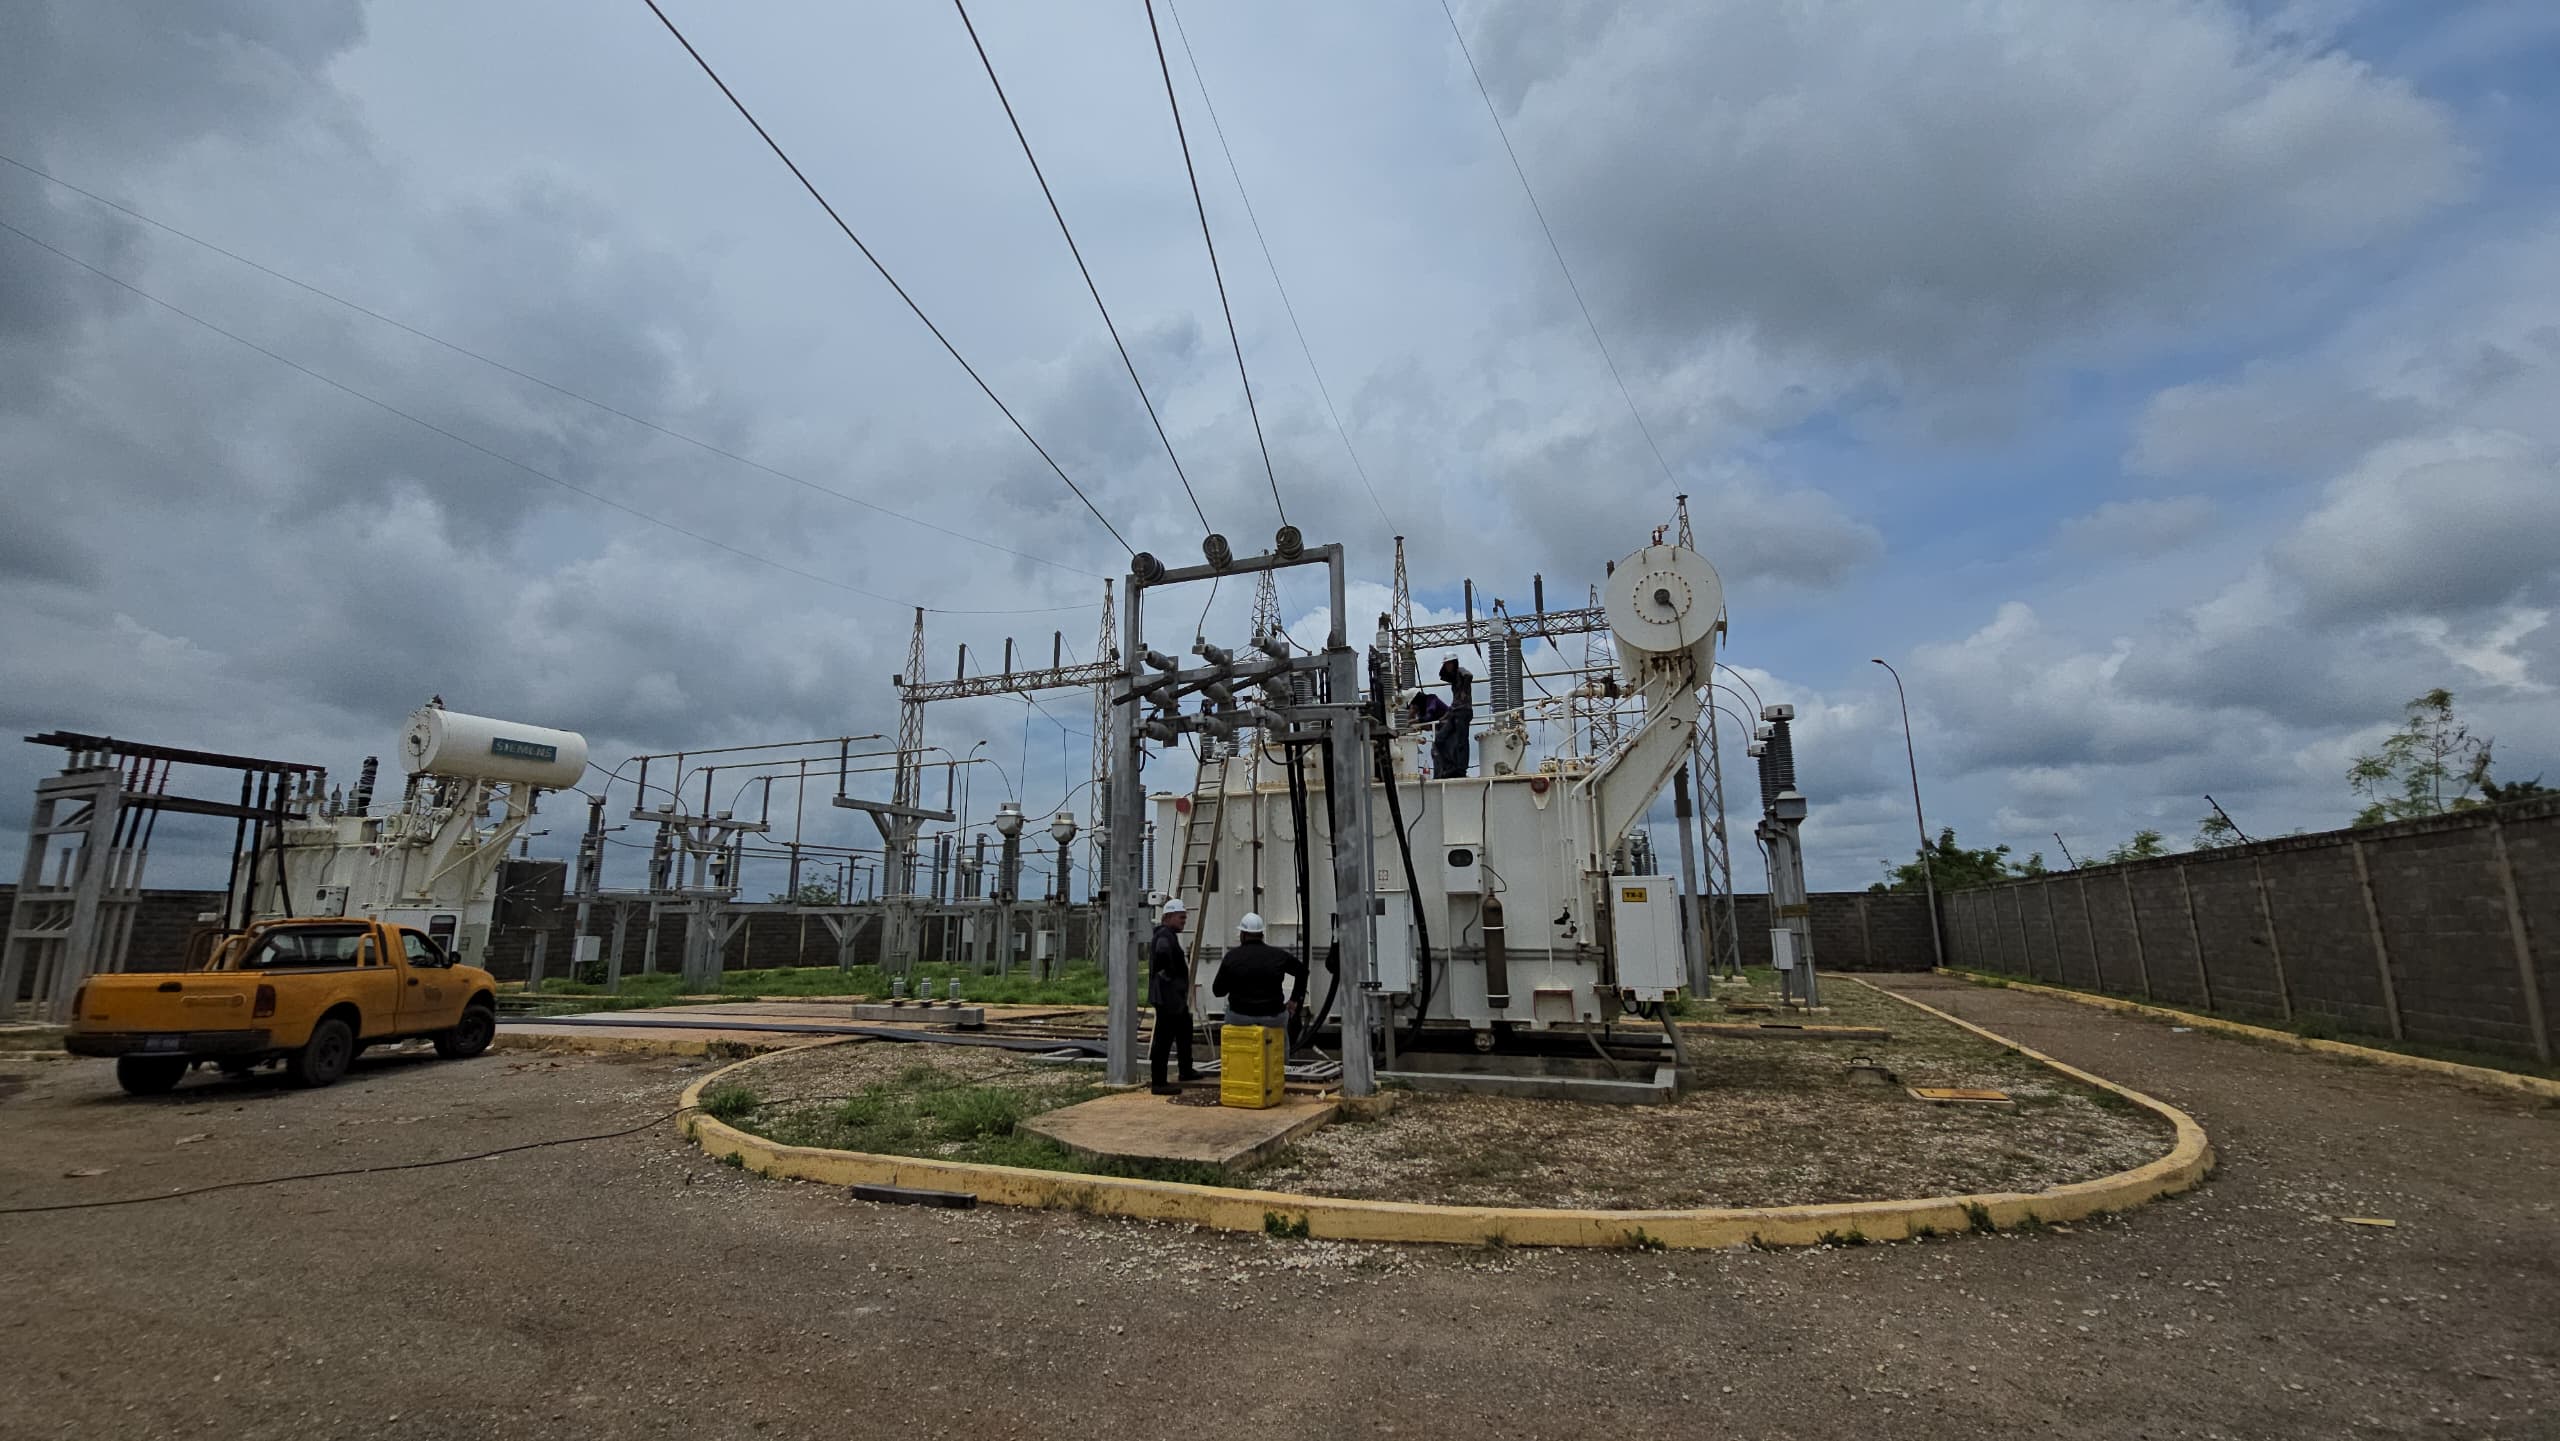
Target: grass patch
(1978, 1216)
(925, 1110)
(1284, 1228)
(730, 1103)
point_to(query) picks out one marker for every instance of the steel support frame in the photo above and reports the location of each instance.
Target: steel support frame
(1346, 728)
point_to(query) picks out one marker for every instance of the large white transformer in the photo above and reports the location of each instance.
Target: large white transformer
(1515, 868)
(433, 860)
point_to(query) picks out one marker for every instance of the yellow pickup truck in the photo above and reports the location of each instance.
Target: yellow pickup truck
(310, 993)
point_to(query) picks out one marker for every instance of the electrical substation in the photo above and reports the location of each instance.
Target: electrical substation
(1476, 898)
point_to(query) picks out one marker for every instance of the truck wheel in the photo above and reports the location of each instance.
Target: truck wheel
(323, 1058)
(150, 1075)
(470, 1035)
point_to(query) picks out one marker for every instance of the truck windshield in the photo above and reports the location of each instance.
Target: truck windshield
(302, 947)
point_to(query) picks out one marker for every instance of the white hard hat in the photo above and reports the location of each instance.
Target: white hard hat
(1175, 907)
(1251, 925)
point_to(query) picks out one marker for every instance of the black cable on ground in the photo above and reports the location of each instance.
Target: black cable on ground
(657, 1120)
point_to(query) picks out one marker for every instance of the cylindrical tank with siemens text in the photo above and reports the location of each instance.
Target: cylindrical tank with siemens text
(442, 742)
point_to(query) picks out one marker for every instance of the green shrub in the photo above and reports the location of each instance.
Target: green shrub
(729, 1103)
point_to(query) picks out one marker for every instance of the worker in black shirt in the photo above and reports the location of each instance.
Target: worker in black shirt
(1252, 978)
(1449, 740)
(1169, 991)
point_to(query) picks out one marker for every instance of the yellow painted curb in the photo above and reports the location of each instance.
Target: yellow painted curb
(1334, 1218)
(2488, 1076)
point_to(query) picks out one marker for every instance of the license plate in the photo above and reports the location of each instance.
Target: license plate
(161, 1043)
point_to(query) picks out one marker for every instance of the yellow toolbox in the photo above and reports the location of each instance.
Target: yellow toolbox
(1251, 1061)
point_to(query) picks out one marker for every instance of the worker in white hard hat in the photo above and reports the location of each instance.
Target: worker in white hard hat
(1169, 991)
(1257, 979)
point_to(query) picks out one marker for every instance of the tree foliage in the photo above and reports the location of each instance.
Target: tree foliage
(811, 893)
(2216, 831)
(2431, 765)
(2144, 845)
(1956, 868)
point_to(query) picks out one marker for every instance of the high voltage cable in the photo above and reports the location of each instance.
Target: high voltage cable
(793, 166)
(508, 460)
(1303, 348)
(552, 386)
(1072, 249)
(1517, 169)
(1197, 204)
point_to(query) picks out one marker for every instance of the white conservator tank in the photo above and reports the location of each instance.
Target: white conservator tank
(441, 742)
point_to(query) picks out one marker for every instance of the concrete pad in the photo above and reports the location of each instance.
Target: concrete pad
(1141, 1126)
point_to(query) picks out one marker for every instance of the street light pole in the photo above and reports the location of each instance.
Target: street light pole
(1928, 881)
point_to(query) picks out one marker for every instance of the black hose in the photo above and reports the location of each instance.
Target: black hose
(1304, 1029)
(1413, 893)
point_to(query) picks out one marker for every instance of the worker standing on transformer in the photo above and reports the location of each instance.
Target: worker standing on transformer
(1449, 738)
(1169, 991)
(1252, 975)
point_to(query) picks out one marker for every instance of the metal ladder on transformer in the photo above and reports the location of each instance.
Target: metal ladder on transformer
(1196, 876)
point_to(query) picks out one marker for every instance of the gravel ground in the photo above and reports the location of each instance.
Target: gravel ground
(628, 1288)
(1767, 1123)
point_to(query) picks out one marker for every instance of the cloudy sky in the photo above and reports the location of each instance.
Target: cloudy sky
(2170, 387)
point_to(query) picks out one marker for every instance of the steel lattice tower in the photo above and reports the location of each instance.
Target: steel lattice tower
(1400, 620)
(1599, 661)
(909, 783)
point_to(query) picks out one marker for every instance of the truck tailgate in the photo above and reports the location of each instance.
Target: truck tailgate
(192, 1001)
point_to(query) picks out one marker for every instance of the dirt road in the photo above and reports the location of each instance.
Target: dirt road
(627, 1288)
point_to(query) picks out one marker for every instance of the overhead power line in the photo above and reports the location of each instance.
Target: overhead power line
(793, 166)
(1303, 348)
(503, 459)
(553, 386)
(1526, 189)
(1076, 251)
(1225, 309)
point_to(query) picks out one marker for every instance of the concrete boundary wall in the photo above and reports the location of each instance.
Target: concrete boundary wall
(2443, 931)
(1852, 931)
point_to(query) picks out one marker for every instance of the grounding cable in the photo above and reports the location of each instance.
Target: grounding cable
(1073, 249)
(806, 184)
(469, 444)
(251, 1184)
(553, 386)
(1229, 311)
(1541, 211)
(1220, 130)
